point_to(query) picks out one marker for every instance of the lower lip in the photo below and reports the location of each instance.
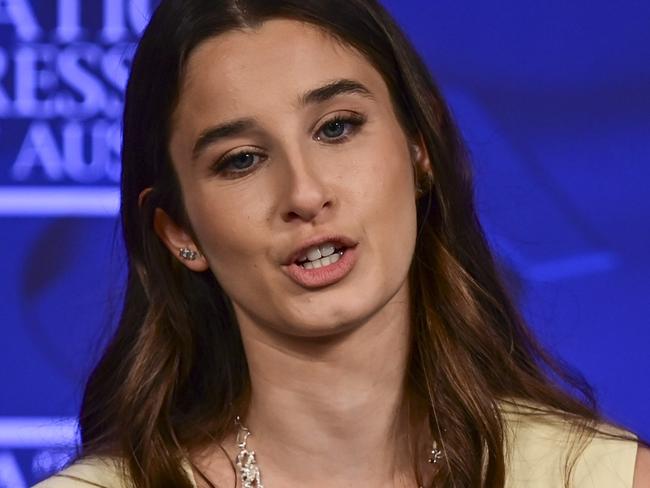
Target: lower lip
(326, 275)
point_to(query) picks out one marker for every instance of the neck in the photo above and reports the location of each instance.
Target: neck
(331, 412)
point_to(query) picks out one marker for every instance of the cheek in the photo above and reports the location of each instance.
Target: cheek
(389, 186)
(223, 229)
(387, 198)
(397, 218)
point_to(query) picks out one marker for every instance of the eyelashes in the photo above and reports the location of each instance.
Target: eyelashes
(336, 130)
(353, 121)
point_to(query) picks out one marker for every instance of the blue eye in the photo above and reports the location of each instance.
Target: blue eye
(335, 129)
(243, 160)
(239, 162)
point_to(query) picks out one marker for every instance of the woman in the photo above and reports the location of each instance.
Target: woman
(306, 267)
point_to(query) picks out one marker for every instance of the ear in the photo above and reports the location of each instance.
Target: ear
(176, 238)
(143, 195)
(423, 172)
(420, 156)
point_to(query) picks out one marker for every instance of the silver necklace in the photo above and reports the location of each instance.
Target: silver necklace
(249, 472)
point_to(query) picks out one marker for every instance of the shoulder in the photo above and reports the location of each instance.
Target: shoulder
(101, 472)
(544, 449)
(97, 471)
(642, 468)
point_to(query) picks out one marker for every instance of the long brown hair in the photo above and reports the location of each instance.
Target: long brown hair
(175, 372)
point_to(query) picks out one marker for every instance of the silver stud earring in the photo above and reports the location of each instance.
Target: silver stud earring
(436, 454)
(187, 254)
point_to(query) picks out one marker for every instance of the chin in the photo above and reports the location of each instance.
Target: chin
(326, 321)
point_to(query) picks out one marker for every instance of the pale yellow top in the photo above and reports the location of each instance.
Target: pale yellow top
(538, 447)
(537, 453)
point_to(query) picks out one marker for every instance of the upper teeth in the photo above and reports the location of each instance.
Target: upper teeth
(317, 252)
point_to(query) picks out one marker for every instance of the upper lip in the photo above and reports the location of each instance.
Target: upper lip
(301, 250)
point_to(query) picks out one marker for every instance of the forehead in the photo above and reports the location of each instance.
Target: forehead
(268, 67)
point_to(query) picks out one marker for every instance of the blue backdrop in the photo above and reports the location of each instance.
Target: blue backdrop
(553, 98)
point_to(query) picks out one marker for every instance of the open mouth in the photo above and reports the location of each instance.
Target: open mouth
(323, 261)
(324, 264)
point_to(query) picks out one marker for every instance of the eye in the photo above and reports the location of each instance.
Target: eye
(238, 163)
(334, 129)
(340, 127)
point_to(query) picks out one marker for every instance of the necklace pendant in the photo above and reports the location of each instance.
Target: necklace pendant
(249, 471)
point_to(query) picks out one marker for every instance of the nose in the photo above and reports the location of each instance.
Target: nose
(307, 195)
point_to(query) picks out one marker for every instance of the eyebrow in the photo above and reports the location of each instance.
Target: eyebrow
(214, 134)
(333, 89)
(312, 97)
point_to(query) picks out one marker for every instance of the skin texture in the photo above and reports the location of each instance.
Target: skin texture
(331, 361)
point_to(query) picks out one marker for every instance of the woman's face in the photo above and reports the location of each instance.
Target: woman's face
(283, 138)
